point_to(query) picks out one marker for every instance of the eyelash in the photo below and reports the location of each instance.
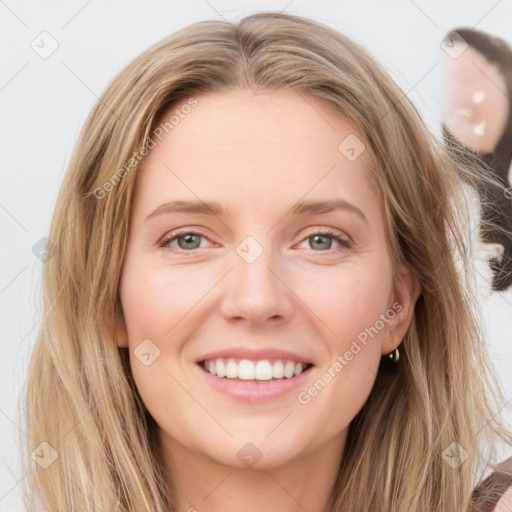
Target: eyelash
(344, 242)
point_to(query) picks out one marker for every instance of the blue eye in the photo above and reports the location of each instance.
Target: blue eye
(320, 238)
(190, 240)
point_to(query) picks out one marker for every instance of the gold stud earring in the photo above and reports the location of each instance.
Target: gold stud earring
(394, 355)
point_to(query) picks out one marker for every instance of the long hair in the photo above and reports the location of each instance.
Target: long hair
(81, 397)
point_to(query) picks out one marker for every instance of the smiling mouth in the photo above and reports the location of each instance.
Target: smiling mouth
(248, 370)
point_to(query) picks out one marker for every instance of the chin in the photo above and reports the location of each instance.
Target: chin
(256, 451)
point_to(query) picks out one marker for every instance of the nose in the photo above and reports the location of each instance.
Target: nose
(256, 289)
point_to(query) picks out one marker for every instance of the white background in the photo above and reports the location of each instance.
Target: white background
(45, 102)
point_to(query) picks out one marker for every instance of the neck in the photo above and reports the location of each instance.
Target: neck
(199, 483)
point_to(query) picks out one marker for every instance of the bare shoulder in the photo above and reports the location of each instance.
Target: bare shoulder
(494, 494)
(505, 503)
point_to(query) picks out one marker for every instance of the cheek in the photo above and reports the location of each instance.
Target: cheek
(351, 304)
(156, 301)
(349, 300)
(351, 309)
(158, 306)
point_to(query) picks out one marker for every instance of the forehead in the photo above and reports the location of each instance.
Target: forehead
(238, 146)
(263, 122)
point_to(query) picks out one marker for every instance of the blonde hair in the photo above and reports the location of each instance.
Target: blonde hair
(81, 397)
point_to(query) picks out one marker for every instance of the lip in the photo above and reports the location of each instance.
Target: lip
(254, 355)
(251, 391)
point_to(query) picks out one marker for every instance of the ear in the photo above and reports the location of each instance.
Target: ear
(406, 290)
(116, 327)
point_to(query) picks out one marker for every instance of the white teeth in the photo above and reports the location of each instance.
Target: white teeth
(278, 370)
(289, 369)
(220, 367)
(263, 370)
(246, 369)
(231, 369)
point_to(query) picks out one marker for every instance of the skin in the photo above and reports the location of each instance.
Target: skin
(257, 154)
(476, 108)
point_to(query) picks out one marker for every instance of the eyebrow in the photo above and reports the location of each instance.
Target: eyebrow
(300, 209)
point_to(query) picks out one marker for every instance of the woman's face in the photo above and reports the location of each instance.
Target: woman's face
(288, 266)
